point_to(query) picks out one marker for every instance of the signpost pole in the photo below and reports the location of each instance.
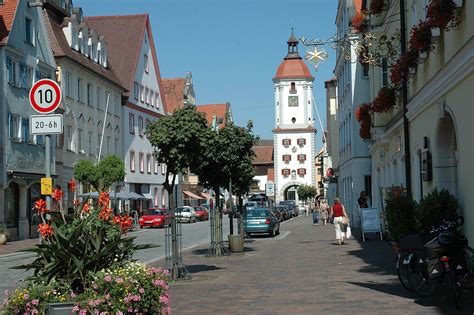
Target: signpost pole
(48, 165)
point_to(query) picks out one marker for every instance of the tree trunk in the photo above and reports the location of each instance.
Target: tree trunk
(231, 214)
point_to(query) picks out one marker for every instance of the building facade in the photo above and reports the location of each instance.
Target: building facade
(91, 93)
(25, 57)
(138, 70)
(354, 165)
(294, 132)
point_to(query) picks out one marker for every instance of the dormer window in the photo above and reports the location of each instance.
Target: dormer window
(80, 41)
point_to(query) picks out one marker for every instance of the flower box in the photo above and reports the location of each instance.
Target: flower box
(423, 55)
(435, 32)
(411, 72)
(60, 308)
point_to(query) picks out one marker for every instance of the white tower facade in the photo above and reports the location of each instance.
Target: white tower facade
(294, 134)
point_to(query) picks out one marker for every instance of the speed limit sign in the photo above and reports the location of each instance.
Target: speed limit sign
(45, 96)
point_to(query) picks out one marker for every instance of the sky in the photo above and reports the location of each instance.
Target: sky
(232, 47)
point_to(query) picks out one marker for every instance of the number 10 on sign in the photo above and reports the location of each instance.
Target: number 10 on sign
(45, 96)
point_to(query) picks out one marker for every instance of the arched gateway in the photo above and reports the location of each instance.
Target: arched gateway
(294, 133)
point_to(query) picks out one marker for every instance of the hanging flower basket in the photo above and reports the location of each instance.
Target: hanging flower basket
(362, 114)
(360, 22)
(385, 100)
(442, 14)
(400, 70)
(420, 38)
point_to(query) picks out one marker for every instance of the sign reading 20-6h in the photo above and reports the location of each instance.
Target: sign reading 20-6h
(45, 97)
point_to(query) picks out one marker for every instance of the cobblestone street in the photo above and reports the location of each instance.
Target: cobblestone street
(302, 271)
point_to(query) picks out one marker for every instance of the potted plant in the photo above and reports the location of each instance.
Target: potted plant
(400, 70)
(3, 233)
(420, 39)
(400, 216)
(362, 115)
(436, 207)
(385, 100)
(442, 14)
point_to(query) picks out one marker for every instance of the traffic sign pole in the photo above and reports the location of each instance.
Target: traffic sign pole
(48, 166)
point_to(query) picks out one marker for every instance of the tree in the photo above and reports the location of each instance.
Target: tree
(306, 192)
(227, 155)
(100, 176)
(177, 142)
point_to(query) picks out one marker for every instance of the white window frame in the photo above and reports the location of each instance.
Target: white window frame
(80, 90)
(140, 126)
(148, 163)
(141, 162)
(157, 99)
(147, 96)
(155, 166)
(163, 169)
(132, 160)
(31, 40)
(131, 123)
(142, 90)
(135, 90)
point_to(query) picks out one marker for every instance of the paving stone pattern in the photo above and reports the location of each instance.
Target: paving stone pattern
(302, 271)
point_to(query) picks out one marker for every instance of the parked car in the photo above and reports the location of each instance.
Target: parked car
(201, 213)
(291, 205)
(155, 217)
(186, 214)
(250, 205)
(261, 220)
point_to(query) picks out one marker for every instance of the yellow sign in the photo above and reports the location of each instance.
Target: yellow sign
(46, 186)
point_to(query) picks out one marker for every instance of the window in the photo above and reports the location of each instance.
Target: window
(79, 140)
(69, 141)
(145, 59)
(12, 68)
(148, 163)
(117, 105)
(132, 161)
(140, 126)
(90, 142)
(142, 97)
(29, 31)
(141, 162)
(286, 142)
(14, 126)
(80, 96)
(99, 98)
(163, 169)
(286, 158)
(152, 97)
(147, 96)
(157, 102)
(301, 158)
(155, 166)
(301, 142)
(89, 94)
(68, 84)
(25, 130)
(135, 90)
(131, 123)
(147, 122)
(384, 72)
(293, 88)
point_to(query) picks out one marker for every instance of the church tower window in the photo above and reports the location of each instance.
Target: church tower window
(293, 88)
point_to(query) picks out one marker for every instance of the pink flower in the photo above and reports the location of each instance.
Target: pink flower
(26, 296)
(75, 309)
(141, 290)
(119, 313)
(166, 272)
(130, 309)
(82, 312)
(35, 302)
(108, 278)
(94, 286)
(107, 296)
(119, 280)
(73, 295)
(164, 299)
(34, 311)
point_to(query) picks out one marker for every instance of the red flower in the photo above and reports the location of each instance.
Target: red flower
(71, 185)
(441, 12)
(57, 194)
(45, 230)
(400, 69)
(126, 222)
(76, 202)
(86, 208)
(40, 206)
(104, 199)
(385, 100)
(359, 22)
(362, 112)
(377, 6)
(420, 38)
(105, 214)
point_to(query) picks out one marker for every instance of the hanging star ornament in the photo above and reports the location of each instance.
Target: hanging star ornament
(316, 56)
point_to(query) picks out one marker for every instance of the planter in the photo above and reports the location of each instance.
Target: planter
(423, 55)
(3, 239)
(60, 308)
(236, 243)
(435, 33)
(411, 72)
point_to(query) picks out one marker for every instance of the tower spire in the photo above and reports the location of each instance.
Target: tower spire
(292, 47)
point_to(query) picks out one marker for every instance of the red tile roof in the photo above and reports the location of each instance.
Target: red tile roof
(173, 90)
(293, 69)
(263, 155)
(7, 16)
(61, 49)
(214, 109)
(124, 35)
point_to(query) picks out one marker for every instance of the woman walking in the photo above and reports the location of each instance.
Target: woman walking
(339, 214)
(324, 210)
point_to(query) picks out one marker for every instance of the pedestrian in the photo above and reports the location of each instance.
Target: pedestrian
(338, 212)
(306, 209)
(315, 215)
(324, 211)
(362, 201)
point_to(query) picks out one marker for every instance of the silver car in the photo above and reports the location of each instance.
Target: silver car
(186, 214)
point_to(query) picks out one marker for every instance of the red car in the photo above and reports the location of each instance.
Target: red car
(201, 213)
(155, 217)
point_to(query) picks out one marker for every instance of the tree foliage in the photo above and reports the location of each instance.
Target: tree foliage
(177, 140)
(306, 192)
(101, 176)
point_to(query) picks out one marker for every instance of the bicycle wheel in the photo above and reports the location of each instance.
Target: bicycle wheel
(419, 278)
(454, 288)
(403, 269)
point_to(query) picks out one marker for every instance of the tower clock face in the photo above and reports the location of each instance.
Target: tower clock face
(292, 100)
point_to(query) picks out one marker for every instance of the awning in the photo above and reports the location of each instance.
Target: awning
(190, 194)
(206, 195)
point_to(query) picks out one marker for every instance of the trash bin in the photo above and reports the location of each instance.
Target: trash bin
(236, 243)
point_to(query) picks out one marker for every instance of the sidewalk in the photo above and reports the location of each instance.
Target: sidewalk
(15, 246)
(302, 271)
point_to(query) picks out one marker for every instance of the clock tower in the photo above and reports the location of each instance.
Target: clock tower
(294, 133)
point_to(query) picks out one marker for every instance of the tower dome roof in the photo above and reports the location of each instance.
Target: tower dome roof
(293, 69)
